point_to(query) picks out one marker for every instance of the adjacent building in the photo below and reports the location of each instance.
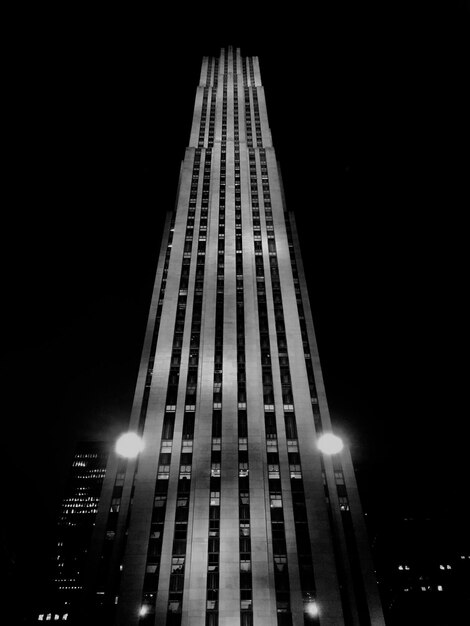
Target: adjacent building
(231, 515)
(78, 509)
(423, 567)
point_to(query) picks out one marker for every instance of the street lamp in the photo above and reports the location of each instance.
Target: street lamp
(129, 445)
(329, 443)
(312, 609)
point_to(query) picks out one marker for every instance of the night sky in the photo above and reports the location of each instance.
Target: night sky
(368, 111)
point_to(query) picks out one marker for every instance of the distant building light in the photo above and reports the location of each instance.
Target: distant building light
(400, 567)
(439, 587)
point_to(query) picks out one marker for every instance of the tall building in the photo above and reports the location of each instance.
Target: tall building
(231, 515)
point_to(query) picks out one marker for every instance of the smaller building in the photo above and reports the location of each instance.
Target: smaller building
(423, 569)
(77, 513)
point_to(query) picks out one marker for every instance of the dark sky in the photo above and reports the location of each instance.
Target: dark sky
(368, 111)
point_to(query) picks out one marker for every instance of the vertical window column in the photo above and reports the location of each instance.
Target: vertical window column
(281, 572)
(175, 600)
(246, 583)
(147, 611)
(304, 552)
(212, 597)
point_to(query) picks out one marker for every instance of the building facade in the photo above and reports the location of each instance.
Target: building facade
(231, 515)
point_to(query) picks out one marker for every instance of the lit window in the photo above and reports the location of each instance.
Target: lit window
(177, 564)
(163, 471)
(276, 500)
(185, 471)
(41, 617)
(343, 503)
(439, 587)
(339, 478)
(243, 469)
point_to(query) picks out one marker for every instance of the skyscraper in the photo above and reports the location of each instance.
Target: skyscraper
(230, 514)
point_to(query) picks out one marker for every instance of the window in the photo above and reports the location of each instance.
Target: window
(244, 497)
(339, 478)
(177, 564)
(343, 503)
(163, 472)
(166, 447)
(185, 471)
(273, 471)
(243, 469)
(174, 606)
(276, 500)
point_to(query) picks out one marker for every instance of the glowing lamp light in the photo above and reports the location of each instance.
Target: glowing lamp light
(330, 444)
(312, 609)
(143, 610)
(129, 445)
